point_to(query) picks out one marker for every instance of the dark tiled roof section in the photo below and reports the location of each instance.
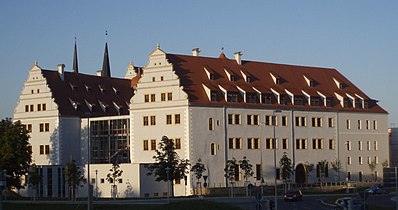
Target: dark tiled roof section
(82, 88)
(190, 70)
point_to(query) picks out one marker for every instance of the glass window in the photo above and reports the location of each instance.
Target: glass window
(177, 119)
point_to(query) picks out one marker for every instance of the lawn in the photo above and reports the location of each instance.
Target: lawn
(191, 205)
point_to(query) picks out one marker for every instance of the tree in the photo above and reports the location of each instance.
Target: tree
(34, 179)
(385, 163)
(246, 168)
(336, 166)
(73, 176)
(113, 176)
(230, 170)
(168, 166)
(323, 167)
(372, 166)
(198, 169)
(286, 166)
(308, 168)
(15, 155)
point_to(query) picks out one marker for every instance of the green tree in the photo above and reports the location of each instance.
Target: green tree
(168, 164)
(246, 167)
(15, 155)
(323, 167)
(286, 166)
(113, 176)
(372, 166)
(385, 163)
(198, 169)
(230, 170)
(73, 176)
(34, 179)
(336, 166)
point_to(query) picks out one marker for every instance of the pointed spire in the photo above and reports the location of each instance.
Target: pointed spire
(106, 69)
(75, 63)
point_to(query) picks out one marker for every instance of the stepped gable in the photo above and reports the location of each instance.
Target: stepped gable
(266, 78)
(79, 94)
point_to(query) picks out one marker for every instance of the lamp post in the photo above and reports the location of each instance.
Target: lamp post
(274, 145)
(96, 183)
(346, 167)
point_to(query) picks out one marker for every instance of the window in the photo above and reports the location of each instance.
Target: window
(258, 172)
(163, 96)
(332, 144)
(252, 119)
(374, 124)
(153, 120)
(177, 181)
(177, 143)
(348, 124)
(360, 160)
(31, 108)
(253, 143)
(368, 145)
(301, 143)
(213, 150)
(168, 119)
(145, 121)
(169, 96)
(251, 98)
(330, 122)
(271, 143)
(348, 145)
(28, 127)
(177, 119)
(349, 160)
(233, 119)
(367, 125)
(359, 124)
(266, 98)
(271, 120)
(146, 98)
(232, 97)
(213, 95)
(235, 143)
(153, 97)
(42, 149)
(211, 124)
(161, 78)
(44, 107)
(47, 149)
(46, 127)
(153, 144)
(369, 160)
(38, 107)
(359, 145)
(285, 144)
(41, 127)
(153, 79)
(145, 145)
(26, 108)
(317, 143)
(300, 121)
(376, 160)
(376, 146)
(316, 122)
(284, 120)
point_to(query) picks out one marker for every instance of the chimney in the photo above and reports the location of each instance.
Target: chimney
(98, 73)
(195, 52)
(238, 57)
(61, 70)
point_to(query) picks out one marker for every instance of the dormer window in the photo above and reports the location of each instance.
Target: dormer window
(104, 107)
(251, 98)
(232, 97)
(213, 95)
(277, 81)
(88, 89)
(232, 78)
(73, 87)
(283, 99)
(117, 107)
(347, 103)
(329, 102)
(298, 100)
(266, 98)
(90, 106)
(116, 91)
(316, 101)
(310, 82)
(75, 105)
(102, 89)
(276, 78)
(339, 84)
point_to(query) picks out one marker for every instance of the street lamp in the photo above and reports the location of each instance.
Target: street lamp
(96, 183)
(274, 145)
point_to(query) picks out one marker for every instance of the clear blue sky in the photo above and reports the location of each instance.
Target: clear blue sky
(359, 38)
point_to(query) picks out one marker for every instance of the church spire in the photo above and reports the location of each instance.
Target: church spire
(106, 69)
(75, 63)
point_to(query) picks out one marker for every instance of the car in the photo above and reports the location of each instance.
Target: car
(343, 203)
(376, 189)
(293, 195)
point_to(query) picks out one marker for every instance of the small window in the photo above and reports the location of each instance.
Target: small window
(284, 120)
(145, 144)
(47, 149)
(146, 98)
(177, 119)
(153, 97)
(161, 78)
(26, 108)
(211, 124)
(163, 96)
(177, 143)
(153, 120)
(153, 79)
(102, 181)
(285, 144)
(169, 96)
(153, 144)
(330, 122)
(41, 149)
(145, 121)
(44, 107)
(39, 107)
(168, 119)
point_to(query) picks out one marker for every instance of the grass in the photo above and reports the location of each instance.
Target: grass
(183, 205)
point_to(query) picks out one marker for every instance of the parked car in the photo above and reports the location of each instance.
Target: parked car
(293, 195)
(376, 189)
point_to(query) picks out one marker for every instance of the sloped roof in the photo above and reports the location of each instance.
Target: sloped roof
(192, 76)
(77, 92)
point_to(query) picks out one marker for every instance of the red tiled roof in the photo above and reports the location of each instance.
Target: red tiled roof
(82, 89)
(190, 70)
